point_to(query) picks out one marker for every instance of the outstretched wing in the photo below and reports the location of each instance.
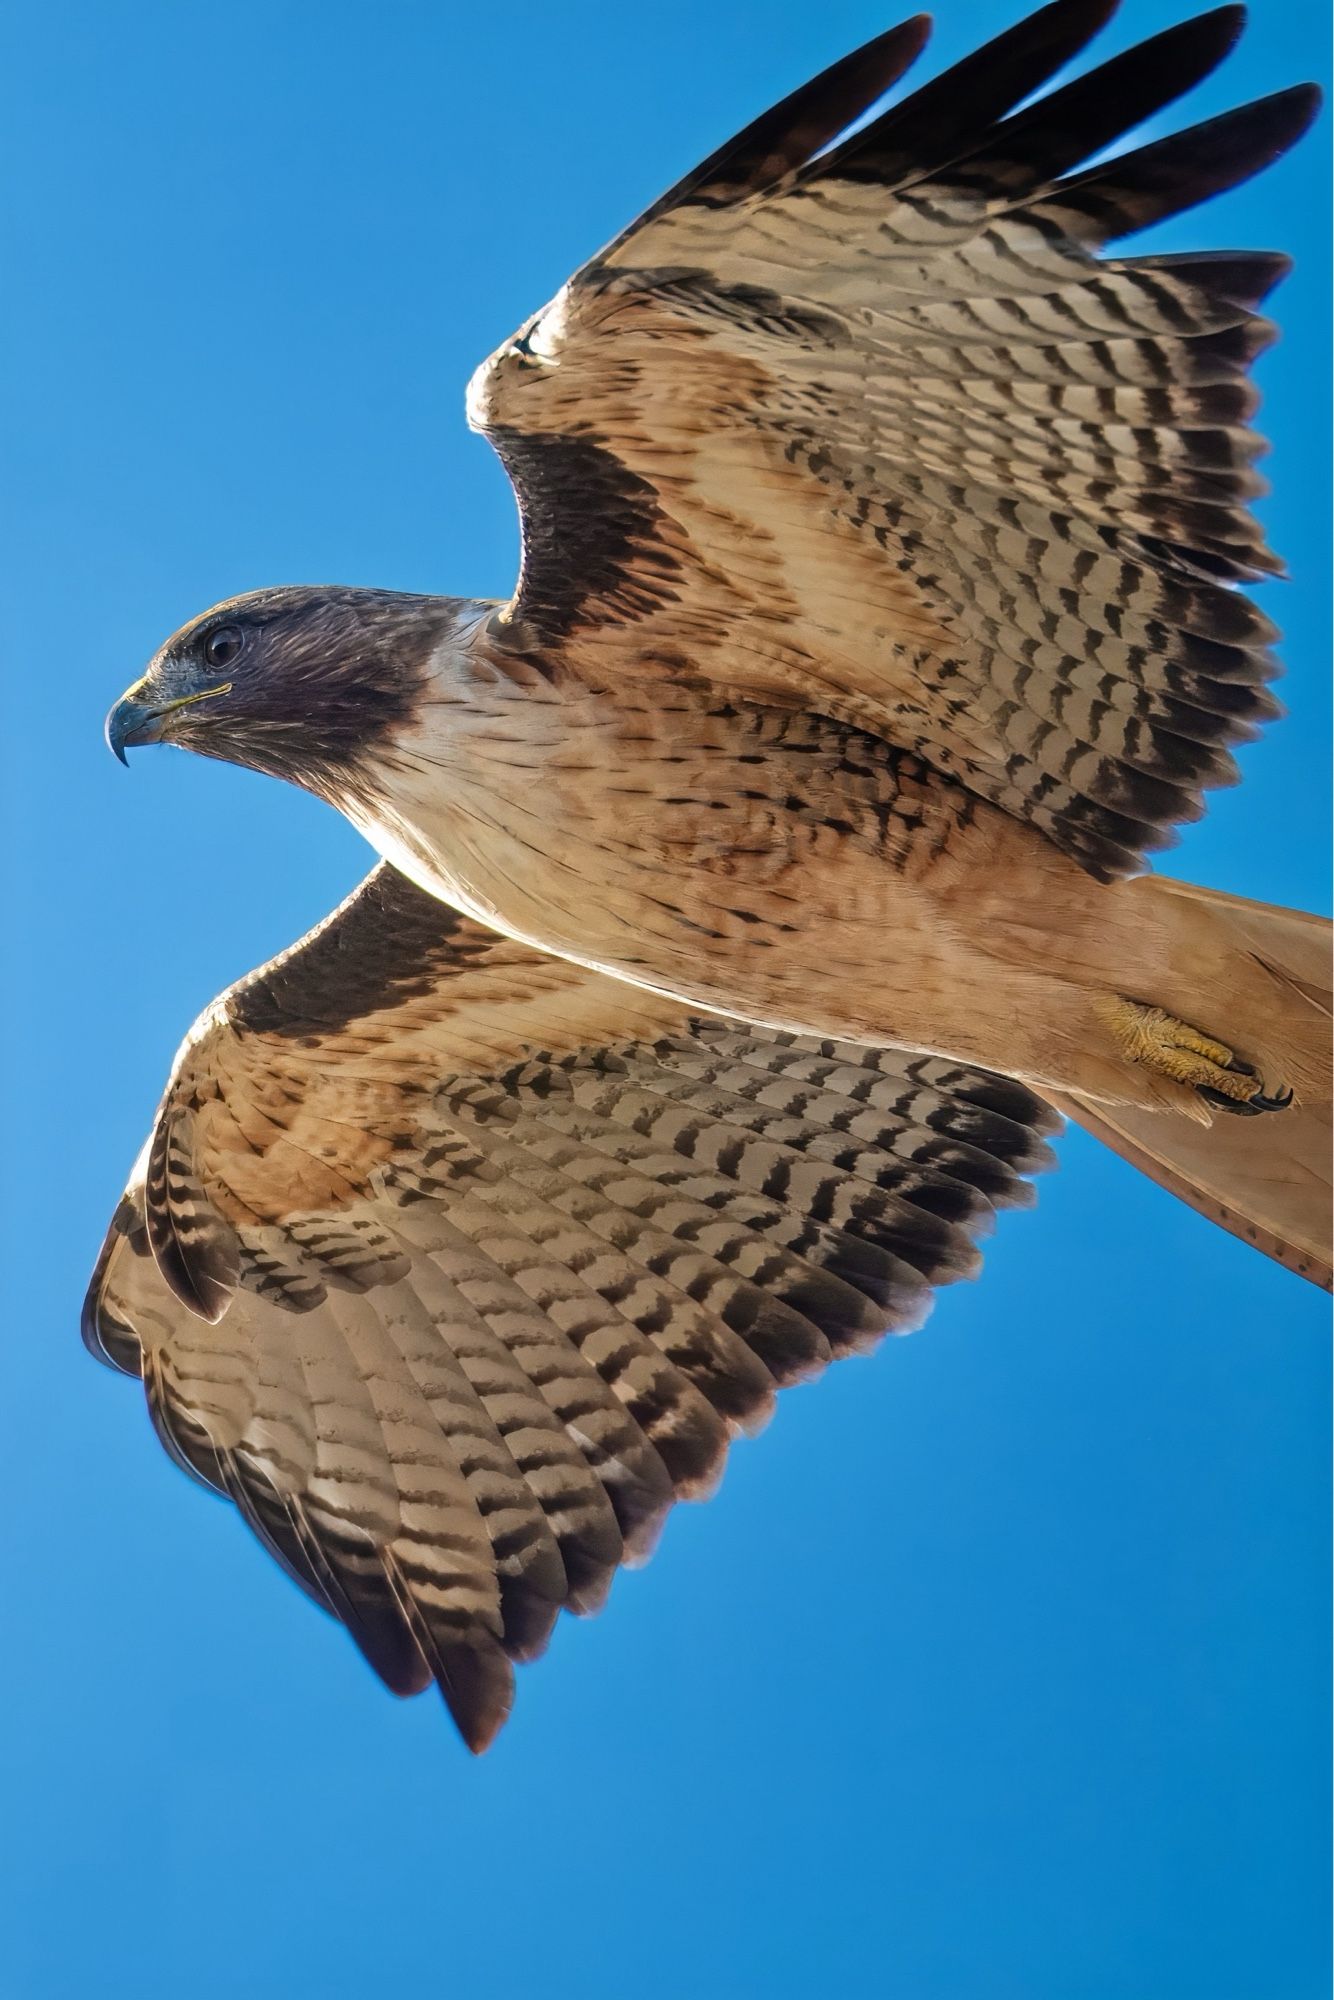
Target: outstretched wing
(452, 1265)
(869, 425)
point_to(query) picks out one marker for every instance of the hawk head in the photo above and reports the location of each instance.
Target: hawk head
(301, 682)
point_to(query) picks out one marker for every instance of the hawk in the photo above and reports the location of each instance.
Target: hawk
(764, 877)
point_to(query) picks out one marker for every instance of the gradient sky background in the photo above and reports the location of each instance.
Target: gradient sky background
(1000, 1667)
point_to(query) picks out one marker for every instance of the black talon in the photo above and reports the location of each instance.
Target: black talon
(1234, 1105)
(1252, 1107)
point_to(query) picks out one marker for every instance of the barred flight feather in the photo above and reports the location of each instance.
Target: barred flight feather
(1004, 484)
(542, 1294)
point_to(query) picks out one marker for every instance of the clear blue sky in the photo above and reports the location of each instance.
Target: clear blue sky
(999, 1667)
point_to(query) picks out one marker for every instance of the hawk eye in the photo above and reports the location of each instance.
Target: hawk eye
(222, 646)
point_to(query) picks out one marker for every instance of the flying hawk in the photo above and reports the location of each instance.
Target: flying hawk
(757, 879)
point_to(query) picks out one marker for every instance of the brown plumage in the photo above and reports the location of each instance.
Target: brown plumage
(465, 1262)
(878, 617)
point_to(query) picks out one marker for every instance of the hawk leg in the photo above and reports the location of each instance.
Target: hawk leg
(1170, 1048)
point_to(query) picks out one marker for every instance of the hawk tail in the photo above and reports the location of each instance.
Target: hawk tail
(1266, 973)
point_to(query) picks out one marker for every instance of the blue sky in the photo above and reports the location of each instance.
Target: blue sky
(1000, 1666)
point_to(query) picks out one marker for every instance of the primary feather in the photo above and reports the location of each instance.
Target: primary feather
(874, 427)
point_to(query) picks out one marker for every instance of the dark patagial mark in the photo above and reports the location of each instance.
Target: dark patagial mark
(391, 944)
(592, 533)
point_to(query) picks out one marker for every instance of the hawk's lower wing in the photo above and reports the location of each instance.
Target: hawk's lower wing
(453, 1265)
(872, 427)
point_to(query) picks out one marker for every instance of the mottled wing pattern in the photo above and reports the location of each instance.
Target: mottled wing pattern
(453, 1265)
(872, 426)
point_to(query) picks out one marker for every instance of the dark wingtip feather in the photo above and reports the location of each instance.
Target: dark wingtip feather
(1038, 144)
(799, 125)
(356, 1580)
(1140, 188)
(1243, 277)
(1024, 1113)
(793, 130)
(951, 112)
(477, 1685)
(528, 1617)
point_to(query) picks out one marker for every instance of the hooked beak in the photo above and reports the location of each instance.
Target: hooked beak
(134, 721)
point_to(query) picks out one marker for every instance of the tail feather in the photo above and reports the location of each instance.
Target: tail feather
(1292, 946)
(1265, 1180)
(1259, 978)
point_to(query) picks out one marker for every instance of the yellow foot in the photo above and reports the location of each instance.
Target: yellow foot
(1171, 1048)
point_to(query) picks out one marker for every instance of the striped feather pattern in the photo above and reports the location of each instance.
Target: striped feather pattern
(874, 427)
(554, 1245)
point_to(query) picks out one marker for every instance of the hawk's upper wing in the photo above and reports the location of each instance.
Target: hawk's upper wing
(452, 1265)
(873, 428)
